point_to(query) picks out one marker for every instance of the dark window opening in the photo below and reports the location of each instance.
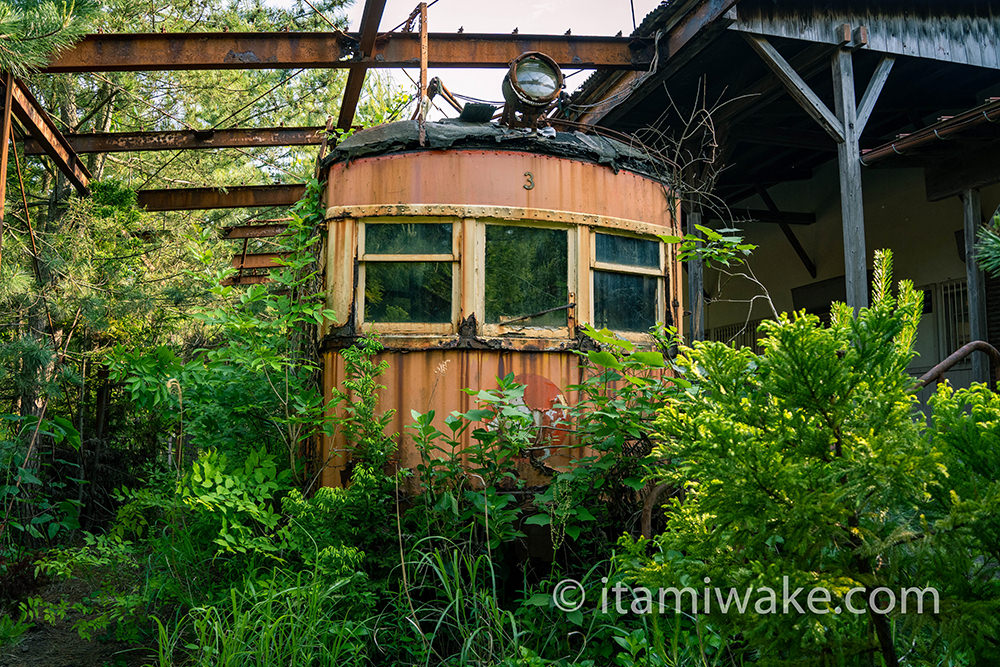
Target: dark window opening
(526, 276)
(408, 292)
(408, 239)
(624, 302)
(627, 250)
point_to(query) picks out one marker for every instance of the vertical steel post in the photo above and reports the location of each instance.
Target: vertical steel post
(696, 280)
(423, 72)
(972, 215)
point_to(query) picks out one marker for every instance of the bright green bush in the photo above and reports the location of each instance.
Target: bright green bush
(812, 462)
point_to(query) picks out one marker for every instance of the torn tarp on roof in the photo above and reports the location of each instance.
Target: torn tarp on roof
(404, 136)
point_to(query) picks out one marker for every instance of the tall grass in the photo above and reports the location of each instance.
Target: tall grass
(267, 624)
(460, 615)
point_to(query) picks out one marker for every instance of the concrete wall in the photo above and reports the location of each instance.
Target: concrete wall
(921, 234)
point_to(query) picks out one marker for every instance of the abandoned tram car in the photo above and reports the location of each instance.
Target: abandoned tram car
(476, 250)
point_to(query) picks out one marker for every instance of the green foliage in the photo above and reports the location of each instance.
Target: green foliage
(32, 31)
(467, 489)
(961, 526)
(34, 504)
(282, 620)
(809, 462)
(722, 247)
(12, 629)
(259, 383)
(231, 401)
(469, 624)
(362, 426)
(195, 538)
(239, 501)
(988, 246)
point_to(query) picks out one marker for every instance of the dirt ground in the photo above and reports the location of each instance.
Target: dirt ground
(59, 645)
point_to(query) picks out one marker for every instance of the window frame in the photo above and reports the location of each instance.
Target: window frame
(572, 277)
(630, 269)
(454, 258)
(468, 277)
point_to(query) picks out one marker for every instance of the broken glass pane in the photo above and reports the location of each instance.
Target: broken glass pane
(624, 302)
(526, 273)
(628, 250)
(425, 238)
(408, 292)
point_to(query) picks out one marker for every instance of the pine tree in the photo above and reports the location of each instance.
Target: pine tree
(32, 31)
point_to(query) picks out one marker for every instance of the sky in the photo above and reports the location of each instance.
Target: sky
(583, 17)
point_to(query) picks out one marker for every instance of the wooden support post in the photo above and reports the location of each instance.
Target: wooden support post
(5, 136)
(873, 90)
(845, 128)
(977, 299)
(851, 203)
(797, 87)
(696, 281)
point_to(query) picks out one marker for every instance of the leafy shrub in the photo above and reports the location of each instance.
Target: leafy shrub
(810, 462)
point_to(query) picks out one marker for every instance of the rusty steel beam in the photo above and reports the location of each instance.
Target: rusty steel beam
(244, 137)
(496, 51)
(370, 20)
(38, 124)
(260, 260)
(244, 196)
(129, 52)
(246, 280)
(6, 107)
(265, 231)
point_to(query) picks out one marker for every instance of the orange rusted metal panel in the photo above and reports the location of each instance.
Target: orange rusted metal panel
(431, 364)
(497, 178)
(434, 380)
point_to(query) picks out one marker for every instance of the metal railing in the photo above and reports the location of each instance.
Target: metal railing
(935, 374)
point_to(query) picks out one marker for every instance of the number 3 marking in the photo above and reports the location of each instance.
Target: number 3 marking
(531, 180)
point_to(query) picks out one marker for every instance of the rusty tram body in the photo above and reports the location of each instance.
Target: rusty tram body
(476, 250)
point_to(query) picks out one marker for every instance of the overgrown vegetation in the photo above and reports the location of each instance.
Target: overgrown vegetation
(159, 444)
(809, 463)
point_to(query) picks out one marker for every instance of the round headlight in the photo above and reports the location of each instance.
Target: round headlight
(535, 79)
